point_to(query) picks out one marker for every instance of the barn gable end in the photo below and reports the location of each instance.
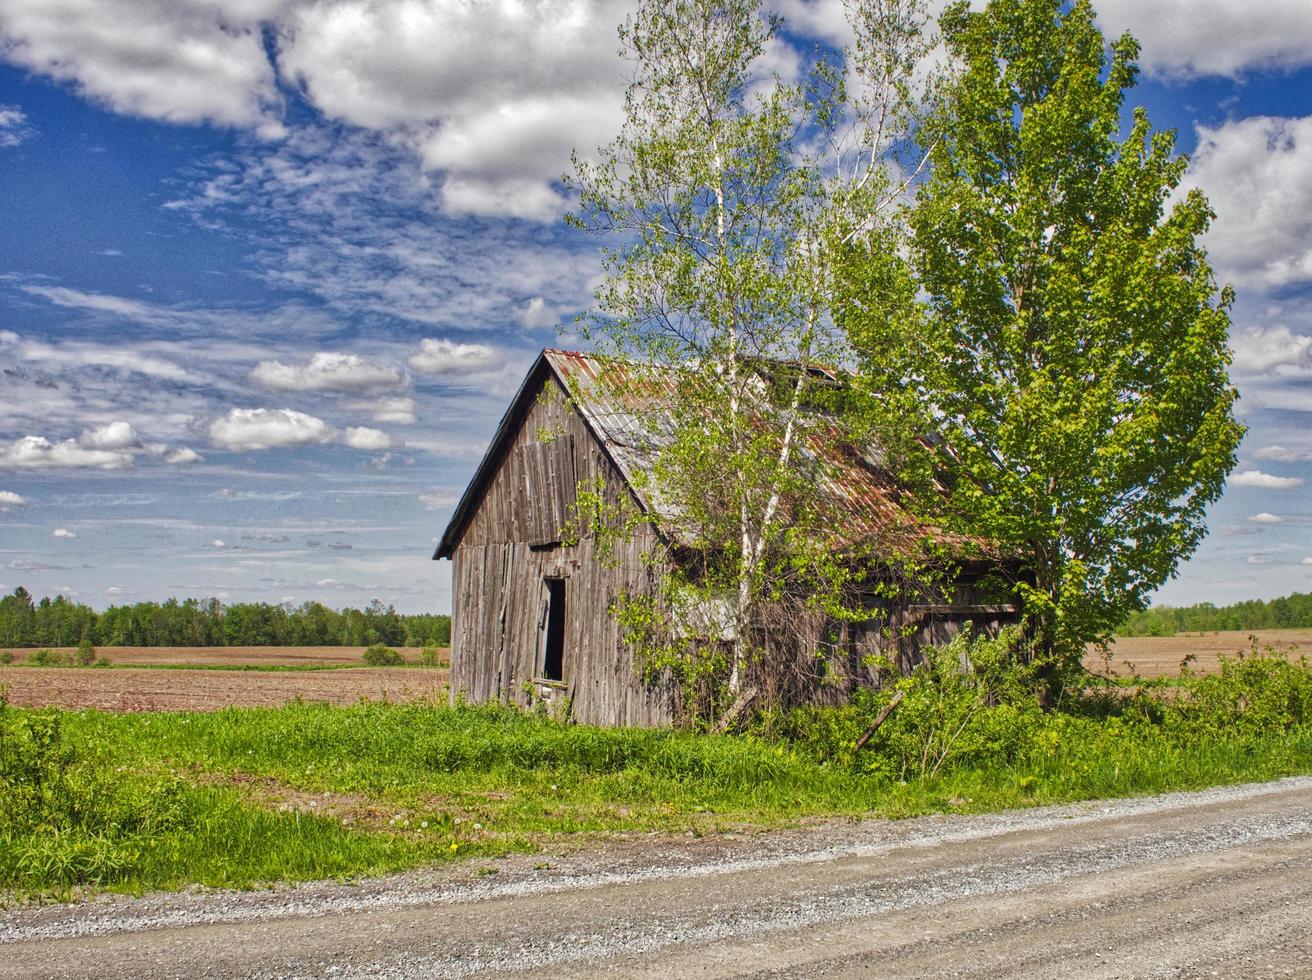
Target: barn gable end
(510, 566)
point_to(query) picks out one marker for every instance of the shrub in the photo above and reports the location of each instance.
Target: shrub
(47, 658)
(430, 655)
(6, 657)
(1261, 696)
(379, 655)
(85, 655)
(970, 702)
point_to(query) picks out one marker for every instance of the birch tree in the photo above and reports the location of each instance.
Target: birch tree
(726, 196)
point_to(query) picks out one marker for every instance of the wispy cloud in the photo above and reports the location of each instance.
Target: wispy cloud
(14, 126)
(350, 217)
(327, 371)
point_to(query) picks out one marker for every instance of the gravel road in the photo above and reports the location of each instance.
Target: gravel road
(1216, 883)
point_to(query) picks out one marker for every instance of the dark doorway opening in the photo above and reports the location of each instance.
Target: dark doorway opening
(553, 657)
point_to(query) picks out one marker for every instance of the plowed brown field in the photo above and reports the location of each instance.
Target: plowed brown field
(145, 689)
(1161, 656)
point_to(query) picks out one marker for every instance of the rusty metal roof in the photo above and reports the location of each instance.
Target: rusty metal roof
(620, 404)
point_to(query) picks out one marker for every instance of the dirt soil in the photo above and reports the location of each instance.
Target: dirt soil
(1216, 883)
(146, 689)
(236, 656)
(1159, 656)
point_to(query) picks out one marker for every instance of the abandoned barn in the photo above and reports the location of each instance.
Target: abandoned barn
(531, 601)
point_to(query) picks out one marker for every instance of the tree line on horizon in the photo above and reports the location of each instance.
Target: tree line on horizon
(61, 622)
(1293, 611)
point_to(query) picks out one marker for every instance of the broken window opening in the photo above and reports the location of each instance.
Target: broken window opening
(553, 655)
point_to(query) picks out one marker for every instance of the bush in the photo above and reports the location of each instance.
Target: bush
(6, 657)
(379, 655)
(430, 655)
(47, 658)
(1262, 695)
(86, 654)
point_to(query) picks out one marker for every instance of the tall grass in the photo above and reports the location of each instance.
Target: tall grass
(246, 795)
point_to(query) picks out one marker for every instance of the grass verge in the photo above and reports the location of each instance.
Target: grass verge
(243, 796)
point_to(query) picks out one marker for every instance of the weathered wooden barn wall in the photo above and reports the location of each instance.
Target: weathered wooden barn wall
(512, 545)
(833, 659)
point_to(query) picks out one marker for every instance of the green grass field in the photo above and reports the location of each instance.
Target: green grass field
(243, 796)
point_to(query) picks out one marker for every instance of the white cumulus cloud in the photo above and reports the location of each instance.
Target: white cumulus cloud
(362, 437)
(265, 428)
(440, 357)
(182, 455)
(63, 532)
(1265, 518)
(10, 499)
(1264, 481)
(37, 452)
(500, 91)
(1254, 171)
(327, 371)
(1213, 37)
(113, 435)
(1266, 350)
(200, 61)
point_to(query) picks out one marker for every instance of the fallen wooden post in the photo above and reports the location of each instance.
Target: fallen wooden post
(880, 718)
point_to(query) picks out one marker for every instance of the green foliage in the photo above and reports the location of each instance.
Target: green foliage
(379, 655)
(430, 655)
(85, 655)
(1255, 696)
(6, 657)
(1071, 344)
(1293, 611)
(48, 658)
(191, 622)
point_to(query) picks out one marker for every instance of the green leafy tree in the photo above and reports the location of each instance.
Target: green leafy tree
(1056, 321)
(729, 190)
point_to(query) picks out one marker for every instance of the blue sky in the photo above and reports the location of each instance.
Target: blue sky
(271, 269)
